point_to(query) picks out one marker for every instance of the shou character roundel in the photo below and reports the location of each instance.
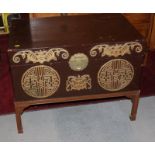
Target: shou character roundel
(40, 81)
(115, 74)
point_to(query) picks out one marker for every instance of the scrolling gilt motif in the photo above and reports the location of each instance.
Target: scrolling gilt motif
(116, 50)
(78, 82)
(40, 81)
(40, 56)
(115, 75)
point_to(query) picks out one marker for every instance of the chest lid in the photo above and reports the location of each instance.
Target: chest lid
(71, 31)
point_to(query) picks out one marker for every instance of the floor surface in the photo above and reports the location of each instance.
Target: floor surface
(104, 122)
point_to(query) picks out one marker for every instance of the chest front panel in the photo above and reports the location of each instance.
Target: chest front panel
(76, 71)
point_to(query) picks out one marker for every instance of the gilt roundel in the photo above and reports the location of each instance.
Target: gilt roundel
(115, 75)
(40, 81)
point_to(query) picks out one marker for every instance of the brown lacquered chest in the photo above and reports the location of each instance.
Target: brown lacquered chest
(62, 59)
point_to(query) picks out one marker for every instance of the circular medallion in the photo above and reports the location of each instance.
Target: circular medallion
(115, 74)
(78, 62)
(40, 81)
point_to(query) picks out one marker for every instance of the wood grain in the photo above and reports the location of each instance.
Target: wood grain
(139, 20)
(152, 33)
(42, 15)
(143, 22)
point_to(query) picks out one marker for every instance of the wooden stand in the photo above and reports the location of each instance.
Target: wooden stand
(20, 106)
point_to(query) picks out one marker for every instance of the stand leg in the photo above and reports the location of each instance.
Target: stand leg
(135, 101)
(19, 111)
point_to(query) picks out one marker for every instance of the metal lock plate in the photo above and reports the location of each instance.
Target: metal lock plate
(78, 62)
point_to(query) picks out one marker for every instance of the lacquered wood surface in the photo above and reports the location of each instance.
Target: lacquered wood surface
(72, 30)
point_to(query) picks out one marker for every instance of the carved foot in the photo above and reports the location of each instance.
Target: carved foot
(132, 118)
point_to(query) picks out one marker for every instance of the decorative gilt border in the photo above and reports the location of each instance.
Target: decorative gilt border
(40, 56)
(116, 50)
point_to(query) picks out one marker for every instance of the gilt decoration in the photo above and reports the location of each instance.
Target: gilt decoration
(40, 81)
(115, 75)
(40, 56)
(79, 82)
(116, 50)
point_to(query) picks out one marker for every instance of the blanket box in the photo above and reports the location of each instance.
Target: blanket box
(71, 58)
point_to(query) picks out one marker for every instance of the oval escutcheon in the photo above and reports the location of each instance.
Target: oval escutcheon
(78, 62)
